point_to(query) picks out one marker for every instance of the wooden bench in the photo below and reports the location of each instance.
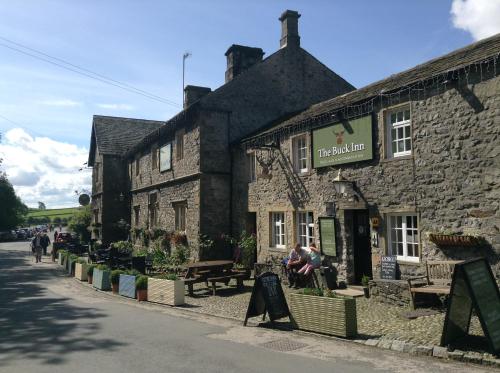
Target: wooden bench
(193, 280)
(225, 278)
(438, 278)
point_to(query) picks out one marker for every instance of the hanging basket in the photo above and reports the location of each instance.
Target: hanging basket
(454, 240)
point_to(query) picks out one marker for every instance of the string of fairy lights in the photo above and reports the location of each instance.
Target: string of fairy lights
(416, 90)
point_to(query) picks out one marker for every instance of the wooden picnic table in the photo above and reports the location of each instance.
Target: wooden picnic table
(208, 266)
(210, 270)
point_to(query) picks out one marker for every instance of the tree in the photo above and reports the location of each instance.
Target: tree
(41, 206)
(13, 210)
(80, 222)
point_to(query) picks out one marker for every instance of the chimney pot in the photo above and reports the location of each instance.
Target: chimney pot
(290, 29)
(241, 58)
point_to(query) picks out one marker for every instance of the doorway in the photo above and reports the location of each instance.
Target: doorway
(362, 245)
(251, 228)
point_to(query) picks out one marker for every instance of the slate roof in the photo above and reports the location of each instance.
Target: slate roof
(116, 135)
(460, 58)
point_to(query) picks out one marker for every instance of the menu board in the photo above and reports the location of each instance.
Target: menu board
(473, 286)
(327, 236)
(388, 267)
(267, 296)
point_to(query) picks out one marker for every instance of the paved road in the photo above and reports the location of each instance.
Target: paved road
(52, 323)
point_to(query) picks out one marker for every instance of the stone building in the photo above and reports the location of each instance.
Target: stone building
(392, 163)
(180, 174)
(111, 138)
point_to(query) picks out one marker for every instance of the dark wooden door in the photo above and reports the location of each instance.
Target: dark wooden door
(362, 245)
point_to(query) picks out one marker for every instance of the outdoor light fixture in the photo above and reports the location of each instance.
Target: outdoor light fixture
(341, 184)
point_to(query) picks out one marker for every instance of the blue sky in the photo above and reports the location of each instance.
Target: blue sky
(141, 43)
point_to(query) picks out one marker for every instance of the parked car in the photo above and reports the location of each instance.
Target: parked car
(8, 235)
(21, 234)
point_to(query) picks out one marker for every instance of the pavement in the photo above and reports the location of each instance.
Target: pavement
(51, 323)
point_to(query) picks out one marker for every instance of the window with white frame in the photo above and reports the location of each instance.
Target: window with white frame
(166, 157)
(403, 236)
(399, 132)
(180, 216)
(300, 154)
(305, 228)
(278, 230)
(252, 167)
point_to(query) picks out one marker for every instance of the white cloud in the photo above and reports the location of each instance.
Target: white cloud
(116, 106)
(479, 17)
(63, 103)
(42, 169)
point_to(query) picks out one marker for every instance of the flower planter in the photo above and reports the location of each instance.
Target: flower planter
(332, 316)
(69, 266)
(89, 279)
(166, 291)
(454, 240)
(142, 295)
(100, 279)
(60, 259)
(114, 288)
(127, 286)
(81, 271)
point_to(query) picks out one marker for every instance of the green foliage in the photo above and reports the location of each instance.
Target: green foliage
(102, 267)
(141, 252)
(90, 269)
(81, 261)
(133, 272)
(180, 255)
(73, 257)
(168, 276)
(364, 280)
(115, 276)
(141, 282)
(161, 257)
(80, 222)
(13, 210)
(123, 247)
(206, 246)
(248, 247)
(313, 291)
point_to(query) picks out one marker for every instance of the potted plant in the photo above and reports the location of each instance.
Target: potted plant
(81, 270)
(364, 282)
(72, 258)
(101, 276)
(115, 280)
(166, 289)
(61, 254)
(324, 312)
(126, 285)
(141, 286)
(90, 273)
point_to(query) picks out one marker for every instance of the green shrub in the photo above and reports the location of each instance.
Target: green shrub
(180, 255)
(168, 276)
(364, 280)
(140, 252)
(102, 267)
(90, 269)
(141, 282)
(115, 276)
(248, 247)
(81, 261)
(73, 257)
(123, 247)
(313, 291)
(133, 272)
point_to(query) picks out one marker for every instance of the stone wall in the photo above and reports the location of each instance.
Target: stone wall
(451, 181)
(391, 292)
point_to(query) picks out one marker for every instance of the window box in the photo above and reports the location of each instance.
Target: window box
(332, 316)
(454, 240)
(163, 291)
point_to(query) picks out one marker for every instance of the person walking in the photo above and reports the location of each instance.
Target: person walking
(45, 241)
(36, 245)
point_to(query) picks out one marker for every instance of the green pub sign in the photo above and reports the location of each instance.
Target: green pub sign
(344, 142)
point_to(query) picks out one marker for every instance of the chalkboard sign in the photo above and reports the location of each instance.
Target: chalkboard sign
(267, 296)
(473, 286)
(388, 267)
(327, 236)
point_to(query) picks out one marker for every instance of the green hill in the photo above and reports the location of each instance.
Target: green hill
(36, 216)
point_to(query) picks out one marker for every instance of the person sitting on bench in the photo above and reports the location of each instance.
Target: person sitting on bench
(296, 260)
(313, 261)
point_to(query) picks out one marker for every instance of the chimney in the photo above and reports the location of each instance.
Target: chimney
(193, 93)
(240, 58)
(290, 29)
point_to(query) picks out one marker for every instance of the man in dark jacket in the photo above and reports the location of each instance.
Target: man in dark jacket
(45, 242)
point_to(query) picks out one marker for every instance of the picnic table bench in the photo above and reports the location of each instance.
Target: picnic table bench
(202, 271)
(438, 278)
(225, 278)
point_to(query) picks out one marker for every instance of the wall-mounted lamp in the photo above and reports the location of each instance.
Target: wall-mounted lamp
(341, 185)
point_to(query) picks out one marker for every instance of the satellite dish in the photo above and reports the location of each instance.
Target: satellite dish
(84, 199)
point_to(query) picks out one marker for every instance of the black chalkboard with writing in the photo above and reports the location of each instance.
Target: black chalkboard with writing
(267, 296)
(388, 267)
(473, 286)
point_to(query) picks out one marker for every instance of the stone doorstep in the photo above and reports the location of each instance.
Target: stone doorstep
(395, 345)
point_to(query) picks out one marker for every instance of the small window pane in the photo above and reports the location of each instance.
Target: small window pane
(408, 144)
(393, 118)
(400, 248)
(407, 114)
(400, 116)
(400, 133)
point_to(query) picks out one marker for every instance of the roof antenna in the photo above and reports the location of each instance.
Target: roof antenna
(184, 57)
